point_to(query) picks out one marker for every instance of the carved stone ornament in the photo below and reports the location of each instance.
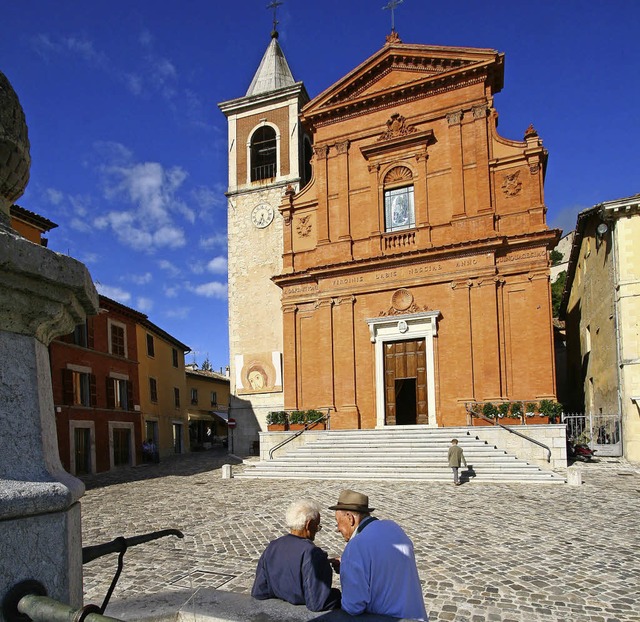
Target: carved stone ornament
(413, 308)
(342, 147)
(394, 37)
(321, 151)
(403, 327)
(530, 132)
(402, 299)
(511, 184)
(534, 168)
(397, 126)
(454, 118)
(479, 112)
(304, 226)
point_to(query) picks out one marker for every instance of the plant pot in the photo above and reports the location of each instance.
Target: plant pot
(296, 426)
(536, 420)
(480, 422)
(322, 425)
(276, 427)
(511, 421)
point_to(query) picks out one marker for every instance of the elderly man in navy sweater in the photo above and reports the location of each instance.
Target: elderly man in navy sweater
(293, 568)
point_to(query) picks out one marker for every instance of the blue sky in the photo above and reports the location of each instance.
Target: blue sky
(129, 147)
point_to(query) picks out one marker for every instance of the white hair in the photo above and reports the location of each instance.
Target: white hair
(301, 511)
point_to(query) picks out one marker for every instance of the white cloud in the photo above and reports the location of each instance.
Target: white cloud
(139, 279)
(179, 313)
(152, 192)
(171, 291)
(144, 304)
(213, 289)
(115, 293)
(169, 268)
(78, 46)
(218, 265)
(217, 239)
(54, 196)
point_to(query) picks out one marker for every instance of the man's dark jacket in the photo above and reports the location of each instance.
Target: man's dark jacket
(296, 570)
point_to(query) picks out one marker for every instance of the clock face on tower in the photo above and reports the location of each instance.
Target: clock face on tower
(262, 215)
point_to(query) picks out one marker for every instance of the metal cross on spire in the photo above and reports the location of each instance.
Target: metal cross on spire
(393, 4)
(274, 5)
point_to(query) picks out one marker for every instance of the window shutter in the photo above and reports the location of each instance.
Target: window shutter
(111, 394)
(90, 336)
(129, 395)
(93, 392)
(67, 386)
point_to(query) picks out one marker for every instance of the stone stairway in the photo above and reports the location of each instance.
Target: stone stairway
(398, 453)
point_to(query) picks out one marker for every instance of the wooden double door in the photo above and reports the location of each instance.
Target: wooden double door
(405, 373)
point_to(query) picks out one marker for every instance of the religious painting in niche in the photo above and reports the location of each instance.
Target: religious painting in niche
(259, 373)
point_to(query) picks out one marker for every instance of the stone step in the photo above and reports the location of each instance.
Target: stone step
(406, 453)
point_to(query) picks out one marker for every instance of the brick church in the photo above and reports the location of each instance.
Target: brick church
(388, 249)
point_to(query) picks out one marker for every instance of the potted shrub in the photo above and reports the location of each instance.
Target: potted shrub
(531, 410)
(297, 419)
(314, 415)
(276, 421)
(514, 416)
(490, 411)
(550, 411)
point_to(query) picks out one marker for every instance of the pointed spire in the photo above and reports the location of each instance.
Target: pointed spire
(273, 72)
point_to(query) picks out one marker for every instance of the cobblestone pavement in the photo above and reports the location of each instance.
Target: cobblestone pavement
(485, 552)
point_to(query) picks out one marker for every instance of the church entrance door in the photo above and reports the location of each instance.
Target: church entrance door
(405, 373)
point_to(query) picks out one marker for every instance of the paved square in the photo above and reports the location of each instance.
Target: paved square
(485, 552)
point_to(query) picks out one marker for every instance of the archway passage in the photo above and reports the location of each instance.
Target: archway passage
(405, 374)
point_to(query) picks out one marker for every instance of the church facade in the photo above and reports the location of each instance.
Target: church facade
(412, 270)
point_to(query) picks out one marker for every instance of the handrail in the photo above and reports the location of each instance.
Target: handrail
(28, 600)
(297, 433)
(473, 413)
(120, 545)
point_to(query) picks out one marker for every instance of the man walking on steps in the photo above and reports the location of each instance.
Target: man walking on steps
(456, 457)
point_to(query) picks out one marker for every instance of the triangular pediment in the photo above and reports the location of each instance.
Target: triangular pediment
(398, 67)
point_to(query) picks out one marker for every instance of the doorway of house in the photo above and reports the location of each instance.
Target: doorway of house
(121, 445)
(405, 374)
(82, 450)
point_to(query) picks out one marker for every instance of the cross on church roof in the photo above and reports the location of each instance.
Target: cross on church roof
(274, 5)
(393, 4)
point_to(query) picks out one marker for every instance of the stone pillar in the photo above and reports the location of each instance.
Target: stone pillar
(42, 295)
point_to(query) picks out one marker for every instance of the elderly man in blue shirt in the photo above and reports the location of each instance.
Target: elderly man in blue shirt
(293, 568)
(378, 572)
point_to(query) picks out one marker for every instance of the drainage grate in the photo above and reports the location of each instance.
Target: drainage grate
(203, 578)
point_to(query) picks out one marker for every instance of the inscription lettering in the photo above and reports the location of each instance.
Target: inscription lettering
(348, 280)
(435, 267)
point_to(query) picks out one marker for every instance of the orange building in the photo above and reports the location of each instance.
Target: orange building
(415, 263)
(416, 272)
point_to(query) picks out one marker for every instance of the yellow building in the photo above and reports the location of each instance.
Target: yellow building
(163, 389)
(601, 304)
(208, 404)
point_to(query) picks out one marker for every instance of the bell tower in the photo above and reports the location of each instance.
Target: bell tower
(268, 152)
